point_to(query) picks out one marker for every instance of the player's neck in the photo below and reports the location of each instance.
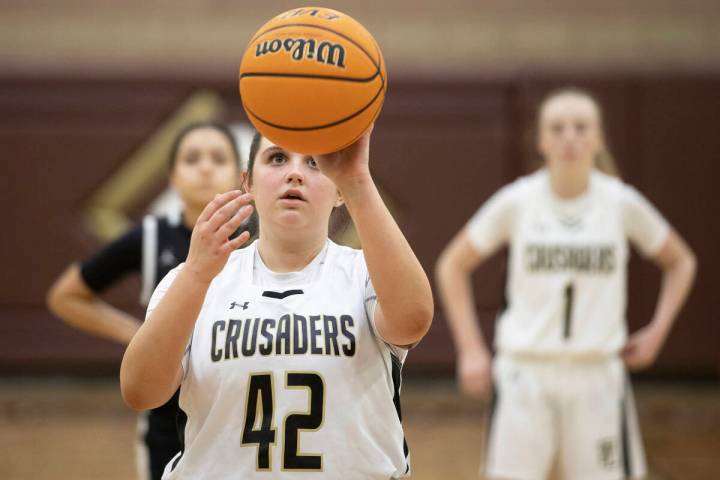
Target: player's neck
(190, 215)
(569, 183)
(288, 253)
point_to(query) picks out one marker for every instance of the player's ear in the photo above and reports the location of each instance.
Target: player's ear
(340, 201)
(245, 182)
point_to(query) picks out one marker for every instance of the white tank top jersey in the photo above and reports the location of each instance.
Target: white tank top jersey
(566, 286)
(285, 377)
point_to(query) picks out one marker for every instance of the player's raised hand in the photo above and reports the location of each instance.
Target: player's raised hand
(210, 244)
(352, 162)
(474, 372)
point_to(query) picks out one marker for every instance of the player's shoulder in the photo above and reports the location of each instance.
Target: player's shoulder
(612, 187)
(241, 257)
(171, 222)
(131, 238)
(345, 261)
(525, 186)
(344, 255)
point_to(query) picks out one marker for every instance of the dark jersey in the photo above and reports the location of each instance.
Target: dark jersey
(152, 249)
(125, 255)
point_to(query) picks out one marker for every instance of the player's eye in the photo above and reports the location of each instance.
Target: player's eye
(191, 158)
(311, 162)
(556, 128)
(581, 127)
(277, 159)
(219, 158)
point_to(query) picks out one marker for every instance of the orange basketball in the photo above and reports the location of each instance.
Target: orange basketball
(312, 80)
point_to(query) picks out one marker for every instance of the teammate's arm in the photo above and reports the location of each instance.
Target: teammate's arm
(151, 367)
(405, 305)
(71, 299)
(453, 275)
(678, 264)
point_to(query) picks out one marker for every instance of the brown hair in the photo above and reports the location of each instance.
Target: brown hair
(219, 127)
(604, 160)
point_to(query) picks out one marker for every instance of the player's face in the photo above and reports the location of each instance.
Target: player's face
(289, 189)
(205, 165)
(570, 135)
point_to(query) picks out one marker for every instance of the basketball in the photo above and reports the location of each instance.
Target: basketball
(312, 80)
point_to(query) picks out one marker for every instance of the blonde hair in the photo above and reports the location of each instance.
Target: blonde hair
(604, 160)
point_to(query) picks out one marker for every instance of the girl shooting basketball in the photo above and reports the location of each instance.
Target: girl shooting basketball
(288, 351)
(561, 343)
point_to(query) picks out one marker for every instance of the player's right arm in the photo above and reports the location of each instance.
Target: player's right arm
(71, 299)
(487, 231)
(151, 368)
(453, 273)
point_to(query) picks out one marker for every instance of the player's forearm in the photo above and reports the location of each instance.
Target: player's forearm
(400, 282)
(94, 316)
(151, 366)
(455, 290)
(71, 299)
(677, 280)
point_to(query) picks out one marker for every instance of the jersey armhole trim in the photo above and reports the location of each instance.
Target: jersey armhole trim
(149, 258)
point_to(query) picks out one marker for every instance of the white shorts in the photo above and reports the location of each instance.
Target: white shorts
(576, 414)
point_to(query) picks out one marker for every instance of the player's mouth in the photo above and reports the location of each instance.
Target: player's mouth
(293, 196)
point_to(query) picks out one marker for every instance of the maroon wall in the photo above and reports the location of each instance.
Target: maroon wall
(440, 149)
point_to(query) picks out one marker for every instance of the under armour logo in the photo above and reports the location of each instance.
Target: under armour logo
(571, 222)
(243, 305)
(167, 258)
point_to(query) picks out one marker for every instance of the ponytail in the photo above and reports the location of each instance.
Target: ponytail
(605, 163)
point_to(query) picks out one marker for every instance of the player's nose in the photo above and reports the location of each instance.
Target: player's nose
(294, 172)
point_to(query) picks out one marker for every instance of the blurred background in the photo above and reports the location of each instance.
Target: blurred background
(92, 92)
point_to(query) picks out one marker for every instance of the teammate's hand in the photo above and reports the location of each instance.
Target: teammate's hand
(642, 348)
(474, 373)
(352, 162)
(210, 245)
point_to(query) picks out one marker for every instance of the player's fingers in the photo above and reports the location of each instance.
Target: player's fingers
(227, 211)
(235, 221)
(217, 203)
(237, 242)
(629, 348)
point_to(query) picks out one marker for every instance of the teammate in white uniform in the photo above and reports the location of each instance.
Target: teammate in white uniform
(562, 395)
(288, 351)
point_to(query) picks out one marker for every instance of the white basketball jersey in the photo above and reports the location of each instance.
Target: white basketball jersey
(287, 379)
(566, 287)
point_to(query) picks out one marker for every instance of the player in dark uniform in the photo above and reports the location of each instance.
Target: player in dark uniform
(204, 161)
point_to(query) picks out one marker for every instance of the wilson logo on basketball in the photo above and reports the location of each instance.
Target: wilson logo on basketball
(305, 49)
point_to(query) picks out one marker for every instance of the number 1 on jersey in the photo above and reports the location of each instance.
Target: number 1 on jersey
(569, 294)
(260, 409)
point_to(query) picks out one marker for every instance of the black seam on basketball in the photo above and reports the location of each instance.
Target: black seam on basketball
(372, 120)
(307, 75)
(317, 127)
(372, 60)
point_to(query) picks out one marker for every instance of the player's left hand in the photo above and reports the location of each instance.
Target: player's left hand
(642, 348)
(349, 164)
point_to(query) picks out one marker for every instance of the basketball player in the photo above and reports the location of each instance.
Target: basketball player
(288, 351)
(203, 161)
(561, 343)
